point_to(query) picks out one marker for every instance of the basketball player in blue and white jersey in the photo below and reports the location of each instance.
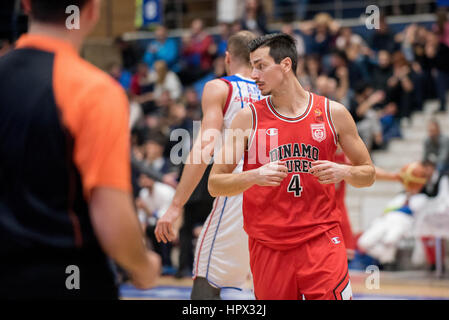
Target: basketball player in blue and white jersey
(221, 257)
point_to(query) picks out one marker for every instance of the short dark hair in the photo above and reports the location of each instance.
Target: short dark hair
(281, 46)
(238, 45)
(53, 11)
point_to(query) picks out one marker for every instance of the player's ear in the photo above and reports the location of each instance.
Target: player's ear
(92, 11)
(227, 57)
(286, 64)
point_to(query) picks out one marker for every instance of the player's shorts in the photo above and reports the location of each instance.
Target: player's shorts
(315, 270)
(222, 255)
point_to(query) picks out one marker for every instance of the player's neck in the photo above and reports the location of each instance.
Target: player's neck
(244, 71)
(290, 98)
(58, 32)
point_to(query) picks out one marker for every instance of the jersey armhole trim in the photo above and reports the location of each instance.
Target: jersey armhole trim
(329, 120)
(228, 99)
(253, 125)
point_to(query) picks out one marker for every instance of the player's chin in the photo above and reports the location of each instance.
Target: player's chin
(265, 92)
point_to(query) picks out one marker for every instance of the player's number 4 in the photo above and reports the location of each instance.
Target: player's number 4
(295, 185)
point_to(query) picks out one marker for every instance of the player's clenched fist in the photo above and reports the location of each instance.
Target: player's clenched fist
(164, 229)
(270, 174)
(329, 172)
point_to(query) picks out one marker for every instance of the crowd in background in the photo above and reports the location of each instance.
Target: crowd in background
(382, 77)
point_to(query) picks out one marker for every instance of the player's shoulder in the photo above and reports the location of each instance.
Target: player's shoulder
(337, 109)
(216, 87)
(340, 116)
(335, 105)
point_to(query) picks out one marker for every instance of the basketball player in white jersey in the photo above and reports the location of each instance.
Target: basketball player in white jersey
(221, 257)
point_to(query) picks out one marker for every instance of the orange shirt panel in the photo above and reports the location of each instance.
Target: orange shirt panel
(95, 110)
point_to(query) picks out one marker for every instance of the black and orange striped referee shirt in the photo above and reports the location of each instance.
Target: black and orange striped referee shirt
(63, 132)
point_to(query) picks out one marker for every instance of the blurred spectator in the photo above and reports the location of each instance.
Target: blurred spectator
(222, 39)
(130, 53)
(254, 17)
(346, 38)
(382, 71)
(321, 31)
(441, 28)
(217, 72)
(390, 125)
(153, 200)
(193, 104)
(121, 75)
(197, 53)
(361, 108)
(142, 87)
(287, 28)
(308, 71)
(332, 89)
(400, 85)
(340, 61)
(236, 26)
(439, 51)
(382, 38)
(175, 119)
(409, 47)
(154, 154)
(159, 110)
(436, 146)
(135, 113)
(162, 48)
(423, 64)
(165, 80)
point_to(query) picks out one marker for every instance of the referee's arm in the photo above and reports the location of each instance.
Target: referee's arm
(101, 151)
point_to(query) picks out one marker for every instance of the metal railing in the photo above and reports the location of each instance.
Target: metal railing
(280, 10)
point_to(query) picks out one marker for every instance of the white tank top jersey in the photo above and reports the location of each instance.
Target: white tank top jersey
(222, 255)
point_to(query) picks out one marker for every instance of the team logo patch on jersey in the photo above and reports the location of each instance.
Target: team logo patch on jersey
(272, 131)
(318, 132)
(318, 115)
(336, 240)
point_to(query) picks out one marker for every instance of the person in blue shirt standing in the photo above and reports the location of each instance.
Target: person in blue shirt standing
(162, 48)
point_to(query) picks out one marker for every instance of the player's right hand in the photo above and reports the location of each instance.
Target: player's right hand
(164, 229)
(147, 275)
(271, 174)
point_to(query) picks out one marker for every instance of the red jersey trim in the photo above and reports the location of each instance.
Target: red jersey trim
(253, 125)
(330, 122)
(288, 119)
(228, 99)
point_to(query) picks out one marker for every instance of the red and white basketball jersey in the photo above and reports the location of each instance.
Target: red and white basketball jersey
(241, 92)
(300, 208)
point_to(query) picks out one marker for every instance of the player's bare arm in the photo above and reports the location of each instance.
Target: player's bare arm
(222, 182)
(213, 100)
(382, 174)
(361, 173)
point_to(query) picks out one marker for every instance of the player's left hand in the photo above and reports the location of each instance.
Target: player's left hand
(329, 172)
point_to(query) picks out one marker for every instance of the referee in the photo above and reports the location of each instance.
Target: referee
(65, 177)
